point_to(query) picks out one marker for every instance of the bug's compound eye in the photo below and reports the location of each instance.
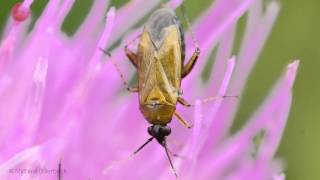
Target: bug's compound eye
(166, 130)
(163, 131)
(150, 130)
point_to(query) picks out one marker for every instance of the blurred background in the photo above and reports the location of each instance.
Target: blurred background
(296, 35)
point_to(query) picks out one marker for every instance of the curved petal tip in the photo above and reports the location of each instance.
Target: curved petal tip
(292, 71)
(111, 13)
(175, 3)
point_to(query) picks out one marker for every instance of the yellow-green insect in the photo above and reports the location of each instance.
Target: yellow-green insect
(160, 65)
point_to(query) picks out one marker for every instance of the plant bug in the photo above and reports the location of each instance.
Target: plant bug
(160, 65)
(159, 61)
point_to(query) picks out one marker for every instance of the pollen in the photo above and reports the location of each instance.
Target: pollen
(20, 13)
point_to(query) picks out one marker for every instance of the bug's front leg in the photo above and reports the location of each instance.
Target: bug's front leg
(190, 64)
(131, 55)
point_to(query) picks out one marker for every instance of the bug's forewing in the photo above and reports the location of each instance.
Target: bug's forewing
(160, 67)
(170, 56)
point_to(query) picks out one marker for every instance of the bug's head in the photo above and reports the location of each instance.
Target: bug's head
(159, 132)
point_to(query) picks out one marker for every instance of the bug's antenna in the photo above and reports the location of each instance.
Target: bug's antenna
(164, 144)
(143, 145)
(119, 162)
(195, 42)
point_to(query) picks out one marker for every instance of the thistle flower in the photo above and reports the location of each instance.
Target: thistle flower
(63, 106)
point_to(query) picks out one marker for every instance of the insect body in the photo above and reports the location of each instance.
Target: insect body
(160, 65)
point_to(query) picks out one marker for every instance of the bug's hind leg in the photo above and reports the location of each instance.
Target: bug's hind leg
(182, 121)
(190, 64)
(204, 101)
(133, 89)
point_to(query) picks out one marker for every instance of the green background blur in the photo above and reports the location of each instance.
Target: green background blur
(296, 34)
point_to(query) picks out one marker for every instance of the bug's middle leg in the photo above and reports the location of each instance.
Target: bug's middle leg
(183, 102)
(190, 64)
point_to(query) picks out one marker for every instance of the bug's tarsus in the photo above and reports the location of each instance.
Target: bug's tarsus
(131, 56)
(195, 42)
(133, 89)
(143, 145)
(164, 144)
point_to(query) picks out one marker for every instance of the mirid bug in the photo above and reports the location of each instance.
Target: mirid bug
(159, 61)
(160, 65)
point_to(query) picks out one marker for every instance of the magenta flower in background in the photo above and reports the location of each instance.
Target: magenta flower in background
(61, 99)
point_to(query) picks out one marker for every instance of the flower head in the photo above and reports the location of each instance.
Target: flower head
(63, 106)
